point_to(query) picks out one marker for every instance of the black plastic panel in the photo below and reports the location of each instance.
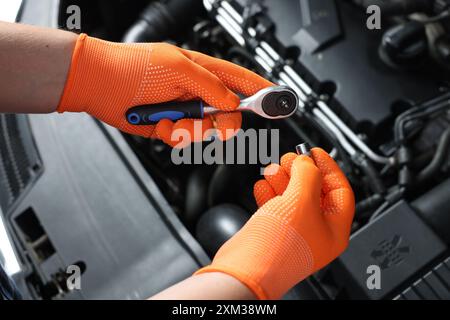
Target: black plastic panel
(398, 242)
(94, 203)
(19, 160)
(435, 285)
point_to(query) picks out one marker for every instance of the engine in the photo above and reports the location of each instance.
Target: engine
(376, 98)
(374, 86)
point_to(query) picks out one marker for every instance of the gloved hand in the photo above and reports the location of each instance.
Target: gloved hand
(303, 223)
(106, 79)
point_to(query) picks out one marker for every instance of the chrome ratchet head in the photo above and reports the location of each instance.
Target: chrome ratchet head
(272, 103)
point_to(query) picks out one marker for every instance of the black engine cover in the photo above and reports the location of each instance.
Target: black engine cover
(338, 51)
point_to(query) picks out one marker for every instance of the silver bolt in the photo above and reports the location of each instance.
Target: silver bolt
(303, 148)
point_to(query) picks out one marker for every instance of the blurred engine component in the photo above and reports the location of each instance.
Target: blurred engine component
(219, 224)
(161, 19)
(398, 7)
(404, 45)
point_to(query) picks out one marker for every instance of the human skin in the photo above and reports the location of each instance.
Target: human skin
(34, 63)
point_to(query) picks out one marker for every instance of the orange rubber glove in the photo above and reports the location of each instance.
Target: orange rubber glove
(106, 79)
(302, 225)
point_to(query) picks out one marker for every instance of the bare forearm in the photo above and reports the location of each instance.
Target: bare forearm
(209, 286)
(34, 63)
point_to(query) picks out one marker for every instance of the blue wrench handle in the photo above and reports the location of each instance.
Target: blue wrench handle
(152, 113)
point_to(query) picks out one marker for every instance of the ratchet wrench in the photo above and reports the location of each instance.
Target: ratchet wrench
(272, 103)
(303, 148)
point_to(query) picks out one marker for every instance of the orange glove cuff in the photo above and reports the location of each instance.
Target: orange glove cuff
(67, 96)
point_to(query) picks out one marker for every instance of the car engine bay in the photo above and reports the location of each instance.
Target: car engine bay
(377, 100)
